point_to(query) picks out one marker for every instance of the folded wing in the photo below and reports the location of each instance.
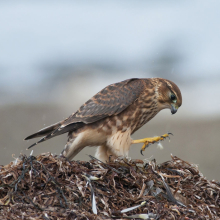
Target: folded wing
(111, 100)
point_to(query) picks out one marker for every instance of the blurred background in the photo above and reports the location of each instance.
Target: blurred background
(55, 55)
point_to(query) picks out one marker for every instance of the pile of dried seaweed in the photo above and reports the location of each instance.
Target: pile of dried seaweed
(48, 187)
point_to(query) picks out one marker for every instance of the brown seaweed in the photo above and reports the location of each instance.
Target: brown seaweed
(49, 187)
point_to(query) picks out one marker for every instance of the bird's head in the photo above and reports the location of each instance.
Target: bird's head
(168, 95)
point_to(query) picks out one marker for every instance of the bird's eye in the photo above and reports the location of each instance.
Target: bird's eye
(173, 97)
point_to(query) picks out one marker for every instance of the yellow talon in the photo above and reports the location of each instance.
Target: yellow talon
(150, 140)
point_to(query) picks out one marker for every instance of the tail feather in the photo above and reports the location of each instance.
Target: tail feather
(41, 140)
(53, 131)
(44, 131)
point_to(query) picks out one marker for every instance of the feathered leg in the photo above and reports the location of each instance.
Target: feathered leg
(103, 153)
(73, 146)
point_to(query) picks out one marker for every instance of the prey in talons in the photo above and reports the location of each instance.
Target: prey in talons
(151, 140)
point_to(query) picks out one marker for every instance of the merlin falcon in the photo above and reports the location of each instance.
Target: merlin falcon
(110, 117)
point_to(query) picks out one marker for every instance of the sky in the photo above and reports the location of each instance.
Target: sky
(172, 39)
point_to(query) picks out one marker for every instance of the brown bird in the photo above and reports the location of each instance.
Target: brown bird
(110, 117)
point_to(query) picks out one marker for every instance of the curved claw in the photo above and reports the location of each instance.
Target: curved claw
(164, 137)
(169, 134)
(144, 147)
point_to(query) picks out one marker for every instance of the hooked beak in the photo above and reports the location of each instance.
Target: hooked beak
(174, 108)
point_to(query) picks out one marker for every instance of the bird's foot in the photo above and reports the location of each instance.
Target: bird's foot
(150, 140)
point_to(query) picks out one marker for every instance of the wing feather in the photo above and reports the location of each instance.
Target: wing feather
(112, 100)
